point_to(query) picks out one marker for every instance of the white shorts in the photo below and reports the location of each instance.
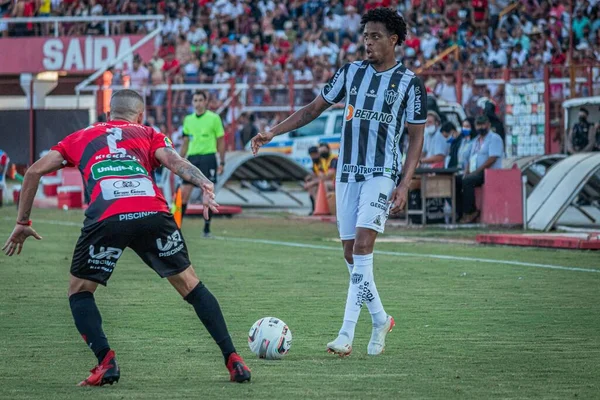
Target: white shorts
(362, 205)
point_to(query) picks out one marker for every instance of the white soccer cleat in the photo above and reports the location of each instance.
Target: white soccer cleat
(377, 342)
(342, 346)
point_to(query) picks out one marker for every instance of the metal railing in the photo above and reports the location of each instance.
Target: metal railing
(106, 20)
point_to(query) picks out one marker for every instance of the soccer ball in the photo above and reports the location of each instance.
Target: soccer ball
(270, 338)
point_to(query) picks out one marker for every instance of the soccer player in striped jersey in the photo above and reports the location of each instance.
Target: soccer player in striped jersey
(380, 96)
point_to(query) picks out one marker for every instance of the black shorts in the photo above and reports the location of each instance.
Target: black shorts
(207, 164)
(155, 237)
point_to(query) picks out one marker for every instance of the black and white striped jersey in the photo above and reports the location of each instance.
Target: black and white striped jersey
(377, 106)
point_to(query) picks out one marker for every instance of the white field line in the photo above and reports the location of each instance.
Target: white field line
(382, 252)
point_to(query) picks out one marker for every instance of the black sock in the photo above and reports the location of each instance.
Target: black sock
(89, 323)
(207, 222)
(208, 310)
(183, 209)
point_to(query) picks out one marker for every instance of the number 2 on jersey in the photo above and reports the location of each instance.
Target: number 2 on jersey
(116, 134)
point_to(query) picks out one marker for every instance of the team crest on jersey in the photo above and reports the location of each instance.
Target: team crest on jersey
(391, 96)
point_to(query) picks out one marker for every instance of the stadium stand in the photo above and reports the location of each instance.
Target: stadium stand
(271, 42)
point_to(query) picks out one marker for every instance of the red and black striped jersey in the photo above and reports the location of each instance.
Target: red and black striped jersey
(116, 160)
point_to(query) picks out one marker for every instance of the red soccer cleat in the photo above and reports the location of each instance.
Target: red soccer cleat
(106, 372)
(238, 370)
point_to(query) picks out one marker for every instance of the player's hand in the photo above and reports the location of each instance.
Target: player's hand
(260, 140)
(398, 200)
(17, 238)
(208, 198)
(220, 170)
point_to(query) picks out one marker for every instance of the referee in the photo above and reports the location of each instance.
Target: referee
(203, 136)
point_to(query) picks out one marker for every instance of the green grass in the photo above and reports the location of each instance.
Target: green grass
(465, 329)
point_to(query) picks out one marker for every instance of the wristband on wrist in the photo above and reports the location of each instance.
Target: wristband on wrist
(28, 223)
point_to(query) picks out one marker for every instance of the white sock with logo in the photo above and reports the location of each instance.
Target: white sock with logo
(371, 297)
(350, 266)
(363, 269)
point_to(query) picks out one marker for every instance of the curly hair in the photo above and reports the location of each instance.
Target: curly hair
(394, 23)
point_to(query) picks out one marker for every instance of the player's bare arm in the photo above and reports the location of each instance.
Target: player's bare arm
(184, 147)
(51, 162)
(187, 171)
(415, 147)
(297, 120)
(221, 150)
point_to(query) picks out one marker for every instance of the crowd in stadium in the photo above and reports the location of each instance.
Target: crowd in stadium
(269, 42)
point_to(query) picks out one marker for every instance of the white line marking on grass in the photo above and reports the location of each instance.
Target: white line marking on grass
(387, 253)
(419, 255)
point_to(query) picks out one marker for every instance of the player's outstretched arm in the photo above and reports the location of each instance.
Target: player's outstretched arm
(51, 162)
(297, 120)
(187, 171)
(415, 147)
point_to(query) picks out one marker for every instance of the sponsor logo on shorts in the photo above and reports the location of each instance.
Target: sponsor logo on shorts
(105, 259)
(136, 215)
(356, 278)
(173, 244)
(377, 220)
(106, 168)
(360, 169)
(381, 203)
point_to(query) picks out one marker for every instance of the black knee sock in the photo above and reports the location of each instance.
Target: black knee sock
(207, 222)
(208, 310)
(89, 323)
(183, 209)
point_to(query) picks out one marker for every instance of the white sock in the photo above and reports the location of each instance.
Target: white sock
(350, 266)
(371, 295)
(363, 268)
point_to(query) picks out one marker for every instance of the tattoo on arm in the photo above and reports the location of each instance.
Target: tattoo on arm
(182, 167)
(307, 115)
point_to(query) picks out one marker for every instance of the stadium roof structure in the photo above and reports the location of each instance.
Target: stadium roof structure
(568, 194)
(268, 179)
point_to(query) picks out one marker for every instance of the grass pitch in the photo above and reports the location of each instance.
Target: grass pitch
(465, 329)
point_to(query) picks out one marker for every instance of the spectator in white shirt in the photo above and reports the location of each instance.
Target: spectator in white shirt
(446, 89)
(302, 74)
(519, 54)
(138, 75)
(351, 22)
(428, 45)
(196, 35)
(496, 55)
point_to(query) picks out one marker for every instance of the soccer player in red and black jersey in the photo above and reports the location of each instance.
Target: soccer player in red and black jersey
(116, 159)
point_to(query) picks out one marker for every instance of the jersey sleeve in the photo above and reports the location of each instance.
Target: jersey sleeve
(416, 105)
(158, 141)
(65, 148)
(335, 90)
(219, 130)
